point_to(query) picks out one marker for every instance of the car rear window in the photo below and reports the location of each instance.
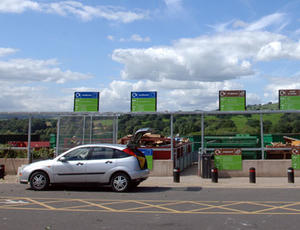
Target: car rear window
(120, 154)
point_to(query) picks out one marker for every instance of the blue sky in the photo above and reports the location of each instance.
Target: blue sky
(186, 50)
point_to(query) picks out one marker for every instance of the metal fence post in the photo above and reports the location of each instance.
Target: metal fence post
(57, 136)
(116, 128)
(202, 144)
(262, 136)
(83, 130)
(172, 135)
(29, 157)
(91, 129)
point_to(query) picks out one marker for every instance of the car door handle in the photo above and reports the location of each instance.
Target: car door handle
(108, 162)
(79, 163)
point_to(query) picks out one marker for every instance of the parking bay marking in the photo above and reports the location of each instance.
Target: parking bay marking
(152, 206)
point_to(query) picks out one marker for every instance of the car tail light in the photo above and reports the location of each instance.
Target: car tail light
(139, 156)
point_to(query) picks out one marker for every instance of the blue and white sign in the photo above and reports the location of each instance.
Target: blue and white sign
(86, 94)
(143, 94)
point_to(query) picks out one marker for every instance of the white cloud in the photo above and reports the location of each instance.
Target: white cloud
(239, 23)
(29, 70)
(184, 96)
(277, 19)
(135, 38)
(7, 51)
(18, 6)
(207, 58)
(34, 99)
(227, 54)
(253, 99)
(278, 50)
(277, 83)
(65, 8)
(110, 37)
(174, 5)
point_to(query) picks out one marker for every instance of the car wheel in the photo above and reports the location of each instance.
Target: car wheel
(120, 182)
(39, 181)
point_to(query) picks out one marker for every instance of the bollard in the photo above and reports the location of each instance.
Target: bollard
(176, 175)
(2, 171)
(252, 177)
(291, 178)
(214, 175)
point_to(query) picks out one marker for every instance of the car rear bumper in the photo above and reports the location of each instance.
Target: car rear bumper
(140, 175)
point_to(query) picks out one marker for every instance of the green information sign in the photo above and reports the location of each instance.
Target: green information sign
(228, 159)
(86, 101)
(143, 101)
(296, 158)
(289, 99)
(232, 100)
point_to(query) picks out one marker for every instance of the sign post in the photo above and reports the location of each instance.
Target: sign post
(86, 101)
(232, 100)
(296, 158)
(228, 159)
(143, 101)
(289, 99)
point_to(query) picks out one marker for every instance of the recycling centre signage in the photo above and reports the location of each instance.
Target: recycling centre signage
(232, 100)
(228, 159)
(296, 158)
(86, 101)
(289, 99)
(143, 101)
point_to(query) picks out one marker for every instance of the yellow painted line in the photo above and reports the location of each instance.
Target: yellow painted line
(279, 207)
(55, 201)
(274, 207)
(221, 207)
(155, 212)
(162, 206)
(97, 205)
(76, 207)
(41, 204)
(155, 206)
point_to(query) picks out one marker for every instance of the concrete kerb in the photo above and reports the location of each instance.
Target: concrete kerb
(195, 181)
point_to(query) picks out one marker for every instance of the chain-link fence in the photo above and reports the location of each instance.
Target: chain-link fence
(206, 130)
(77, 130)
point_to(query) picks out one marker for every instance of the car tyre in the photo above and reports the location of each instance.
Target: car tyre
(120, 182)
(39, 181)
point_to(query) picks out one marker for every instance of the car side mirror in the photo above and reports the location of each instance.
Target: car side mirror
(62, 159)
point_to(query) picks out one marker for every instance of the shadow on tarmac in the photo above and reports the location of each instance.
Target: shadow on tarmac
(140, 189)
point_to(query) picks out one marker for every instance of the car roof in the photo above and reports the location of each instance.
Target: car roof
(115, 146)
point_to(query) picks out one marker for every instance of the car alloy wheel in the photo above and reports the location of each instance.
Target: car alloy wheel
(39, 181)
(120, 182)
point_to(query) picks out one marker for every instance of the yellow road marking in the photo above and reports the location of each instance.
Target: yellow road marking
(279, 207)
(40, 203)
(220, 207)
(151, 206)
(97, 205)
(81, 205)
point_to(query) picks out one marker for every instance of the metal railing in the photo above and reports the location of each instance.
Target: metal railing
(89, 118)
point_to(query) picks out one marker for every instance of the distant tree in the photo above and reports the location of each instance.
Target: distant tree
(267, 126)
(253, 123)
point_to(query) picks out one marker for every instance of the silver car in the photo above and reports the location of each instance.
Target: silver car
(121, 166)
